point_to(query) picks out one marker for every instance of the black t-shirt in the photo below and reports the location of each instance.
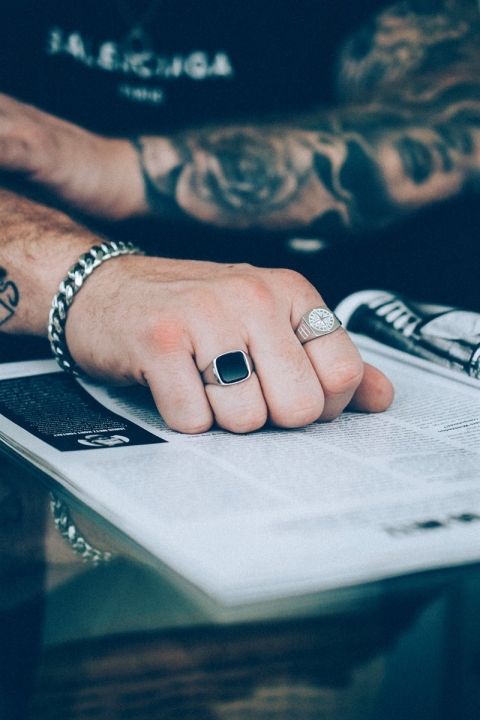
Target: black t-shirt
(216, 61)
(193, 62)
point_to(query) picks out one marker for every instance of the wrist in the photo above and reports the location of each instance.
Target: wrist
(117, 190)
(159, 162)
(99, 176)
(68, 289)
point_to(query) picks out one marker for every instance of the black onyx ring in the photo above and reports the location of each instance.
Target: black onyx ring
(317, 322)
(228, 369)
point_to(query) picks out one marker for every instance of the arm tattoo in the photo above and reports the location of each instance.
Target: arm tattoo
(417, 160)
(412, 36)
(410, 89)
(8, 297)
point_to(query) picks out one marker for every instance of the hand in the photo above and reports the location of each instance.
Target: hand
(96, 175)
(161, 322)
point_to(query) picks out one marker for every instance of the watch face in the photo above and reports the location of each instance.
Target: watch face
(232, 367)
(321, 319)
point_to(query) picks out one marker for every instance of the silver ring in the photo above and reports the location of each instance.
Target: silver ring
(317, 322)
(228, 369)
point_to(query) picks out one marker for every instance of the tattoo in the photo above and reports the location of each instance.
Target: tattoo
(244, 173)
(456, 138)
(330, 225)
(159, 192)
(413, 36)
(324, 170)
(414, 75)
(8, 297)
(360, 175)
(417, 159)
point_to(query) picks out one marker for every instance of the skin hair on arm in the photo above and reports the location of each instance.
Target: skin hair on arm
(405, 134)
(38, 245)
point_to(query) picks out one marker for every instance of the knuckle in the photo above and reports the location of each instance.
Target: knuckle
(307, 413)
(246, 421)
(193, 426)
(179, 418)
(166, 335)
(291, 279)
(303, 411)
(253, 288)
(343, 378)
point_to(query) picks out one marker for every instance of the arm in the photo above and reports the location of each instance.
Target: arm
(405, 134)
(37, 247)
(160, 322)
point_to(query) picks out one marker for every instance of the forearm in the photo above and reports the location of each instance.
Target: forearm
(97, 175)
(359, 167)
(38, 245)
(404, 134)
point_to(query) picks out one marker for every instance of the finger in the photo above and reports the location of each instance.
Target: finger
(289, 384)
(239, 408)
(179, 393)
(375, 392)
(339, 368)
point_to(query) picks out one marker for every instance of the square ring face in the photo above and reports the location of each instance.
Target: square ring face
(231, 368)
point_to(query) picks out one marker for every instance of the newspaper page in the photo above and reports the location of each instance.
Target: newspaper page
(272, 514)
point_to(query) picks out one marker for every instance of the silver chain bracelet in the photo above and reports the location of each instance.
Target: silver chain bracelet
(69, 287)
(69, 532)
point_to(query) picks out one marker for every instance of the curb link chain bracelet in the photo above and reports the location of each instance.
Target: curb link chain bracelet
(69, 287)
(68, 530)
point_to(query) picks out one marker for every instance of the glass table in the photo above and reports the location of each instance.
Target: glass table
(121, 641)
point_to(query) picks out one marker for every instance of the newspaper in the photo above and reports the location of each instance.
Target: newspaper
(276, 513)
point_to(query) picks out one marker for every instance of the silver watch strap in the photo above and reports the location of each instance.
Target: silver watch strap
(69, 287)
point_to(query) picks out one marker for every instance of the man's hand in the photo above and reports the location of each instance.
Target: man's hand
(96, 175)
(161, 322)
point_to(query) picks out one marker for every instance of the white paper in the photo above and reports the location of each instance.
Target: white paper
(284, 513)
